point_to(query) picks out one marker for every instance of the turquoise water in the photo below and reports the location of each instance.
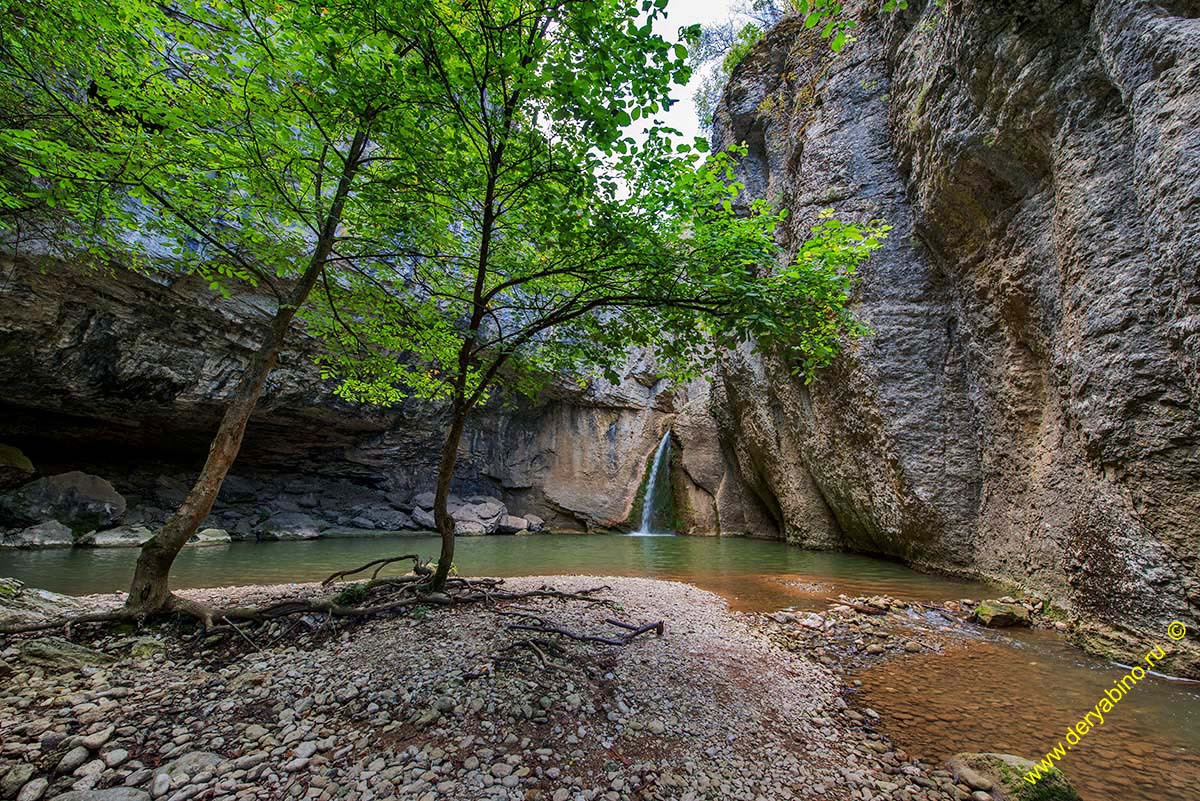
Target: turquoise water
(753, 574)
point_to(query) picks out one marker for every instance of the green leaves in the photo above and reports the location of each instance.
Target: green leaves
(496, 228)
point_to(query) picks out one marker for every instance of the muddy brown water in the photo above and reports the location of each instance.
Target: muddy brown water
(1014, 694)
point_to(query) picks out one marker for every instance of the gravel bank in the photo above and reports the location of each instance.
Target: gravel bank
(439, 706)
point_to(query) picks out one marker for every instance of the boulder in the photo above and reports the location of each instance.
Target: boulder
(81, 501)
(21, 604)
(469, 528)
(210, 536)
(512, 525)
(383, 518)
(111, 794)
(535, 523)
(51, 534)
(290, 526)
(119, 537)
(15, 467)
(423, 500)
(55, 652)
(423, 519)
(998, 614)
(489, 513)
(1003, 775)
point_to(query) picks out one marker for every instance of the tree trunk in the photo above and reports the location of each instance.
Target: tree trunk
(150, 591)
(441, 515)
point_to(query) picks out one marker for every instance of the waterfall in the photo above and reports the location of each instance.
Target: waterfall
(661, 456)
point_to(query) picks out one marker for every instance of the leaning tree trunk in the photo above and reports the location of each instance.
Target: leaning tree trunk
(441, 498)
(150, 591)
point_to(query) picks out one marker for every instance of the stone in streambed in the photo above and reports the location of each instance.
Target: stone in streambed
(111, 794)
(423, 519)
(16, 778)
(998, 614)
(512, 525)
(487, 512)
(1007, 776)
(469, 528)
(190, 764)
(147, 648)
(81, 501)
(120, 537)
(55, 652)
(290, 526)
(21, 604)
(51, 534)
(210, 536)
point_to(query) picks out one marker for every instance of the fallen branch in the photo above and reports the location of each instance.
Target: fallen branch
(624, 639)
(379, 564)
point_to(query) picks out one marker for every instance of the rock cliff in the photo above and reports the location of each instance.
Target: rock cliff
(124, 375)
(1028, 406)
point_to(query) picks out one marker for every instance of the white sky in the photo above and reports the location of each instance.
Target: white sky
(681, 13)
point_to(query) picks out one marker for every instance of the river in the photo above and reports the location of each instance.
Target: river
(1016, 692)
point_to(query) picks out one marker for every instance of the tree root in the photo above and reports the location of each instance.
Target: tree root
(419, 568)
(385, 595)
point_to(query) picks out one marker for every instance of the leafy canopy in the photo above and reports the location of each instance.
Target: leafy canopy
(556, 242)
(211, 136)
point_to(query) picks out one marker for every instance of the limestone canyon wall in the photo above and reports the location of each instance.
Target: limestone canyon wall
(124, 375)
(1028, 407)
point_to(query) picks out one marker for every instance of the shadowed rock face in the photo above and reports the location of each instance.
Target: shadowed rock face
(1029, 405)
(125, 376)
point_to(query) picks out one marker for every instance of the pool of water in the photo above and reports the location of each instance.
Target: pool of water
(752, 574)
(1019, 698)
(1017, 694)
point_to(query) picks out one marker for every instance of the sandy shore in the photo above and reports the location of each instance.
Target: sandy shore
(442, 705)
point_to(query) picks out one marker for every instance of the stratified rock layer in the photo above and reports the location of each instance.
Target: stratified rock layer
(1028, 407)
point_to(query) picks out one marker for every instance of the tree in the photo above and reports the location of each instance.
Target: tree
(241, 141)
(564, 242)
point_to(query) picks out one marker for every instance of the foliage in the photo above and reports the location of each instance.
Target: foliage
(351, 594)
(211, 135)
(747, 38)
(721, 47)
(455, 173)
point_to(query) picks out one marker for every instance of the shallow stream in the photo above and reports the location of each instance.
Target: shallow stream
(1016, 693)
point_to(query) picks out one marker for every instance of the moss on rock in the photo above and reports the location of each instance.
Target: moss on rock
(1007, 774)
